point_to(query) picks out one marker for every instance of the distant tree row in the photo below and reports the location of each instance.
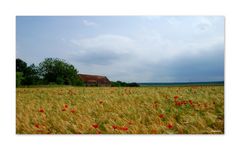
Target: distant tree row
(53, 71)
(50, 71)
(124, 84)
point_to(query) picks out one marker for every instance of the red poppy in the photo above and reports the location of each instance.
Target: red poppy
(100, 102)
(41, 110)
(161, 115)
(37, 125)
(123, 128)
(170, 126)
(178, 103)
(176, 97)
(154, 131)
(95, 126)
(114, 127)
(65, 106)
(190, 101)
(73, 111)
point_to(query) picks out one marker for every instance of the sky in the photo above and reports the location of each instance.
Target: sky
(128, 48)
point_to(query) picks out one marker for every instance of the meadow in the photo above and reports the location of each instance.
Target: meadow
(120, 110)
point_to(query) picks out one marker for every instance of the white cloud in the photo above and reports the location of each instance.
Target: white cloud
(149, 54)
(150, 48)
(114, 43)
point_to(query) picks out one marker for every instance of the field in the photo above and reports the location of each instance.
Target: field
(113, 110)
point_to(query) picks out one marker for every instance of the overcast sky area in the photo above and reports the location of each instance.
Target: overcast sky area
(130, 49)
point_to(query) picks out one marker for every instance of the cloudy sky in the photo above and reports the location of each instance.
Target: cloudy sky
(129, 48)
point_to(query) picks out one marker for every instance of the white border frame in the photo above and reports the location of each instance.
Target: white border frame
(11, 8)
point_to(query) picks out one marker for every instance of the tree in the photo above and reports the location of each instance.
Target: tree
(133, 84)
(19, 78)
(124, 84)
(20, 65)
(31, 76)
(26, 75)
(54, 70)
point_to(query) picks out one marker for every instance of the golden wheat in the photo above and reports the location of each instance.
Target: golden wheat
(111, 110)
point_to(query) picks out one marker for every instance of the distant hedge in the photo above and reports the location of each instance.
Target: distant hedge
(124, 84)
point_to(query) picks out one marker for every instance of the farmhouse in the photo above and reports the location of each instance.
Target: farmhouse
(94, 80)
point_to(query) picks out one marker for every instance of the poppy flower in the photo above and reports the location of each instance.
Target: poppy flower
(41, 110)
(114, 127)
(100, 102)
(37, 125)
(73, 111)
(65, 106)
(161, 116)
(190, 101)
(123, 128)
(170, 126)
(154, 131)
(178, 103)
(95, 126)
(175, 97)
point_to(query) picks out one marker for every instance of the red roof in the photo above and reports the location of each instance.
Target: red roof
(94, 78)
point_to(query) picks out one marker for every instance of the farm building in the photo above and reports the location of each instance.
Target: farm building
(94, 80)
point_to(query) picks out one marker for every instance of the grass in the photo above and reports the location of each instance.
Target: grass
(112, 110)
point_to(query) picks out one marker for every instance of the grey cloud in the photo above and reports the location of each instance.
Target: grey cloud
(103, 49)
(204, 67)
(99, 57)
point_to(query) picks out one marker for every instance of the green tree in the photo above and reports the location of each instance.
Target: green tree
(133, 84)
(20, 65)
(19, 78)
(31, 76)
(54, 70)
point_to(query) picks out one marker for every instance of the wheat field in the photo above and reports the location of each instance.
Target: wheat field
(120, 110)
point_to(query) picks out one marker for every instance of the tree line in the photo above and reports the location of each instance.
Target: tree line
(124, 84)
(52, 71)
(49, 71)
